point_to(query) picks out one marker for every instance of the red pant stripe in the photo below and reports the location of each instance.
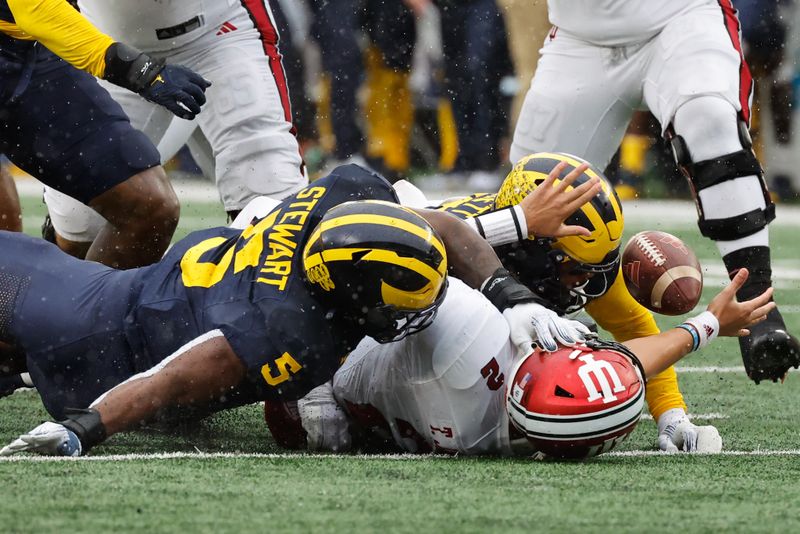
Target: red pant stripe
(745, 78)
(262, 18)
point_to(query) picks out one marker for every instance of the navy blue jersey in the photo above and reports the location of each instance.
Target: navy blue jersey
(248, 285)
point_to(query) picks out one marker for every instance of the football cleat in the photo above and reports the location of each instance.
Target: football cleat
(769, 351)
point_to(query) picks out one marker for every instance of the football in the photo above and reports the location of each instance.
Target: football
(662, 273)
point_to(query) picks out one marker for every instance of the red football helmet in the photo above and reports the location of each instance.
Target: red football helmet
(577, 402)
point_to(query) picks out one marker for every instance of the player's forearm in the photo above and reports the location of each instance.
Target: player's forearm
(195, 378)
(64, 31)
(660, 351)
(470, 257)
(618, 313)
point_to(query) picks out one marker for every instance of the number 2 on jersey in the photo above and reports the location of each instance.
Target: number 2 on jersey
(491, 372)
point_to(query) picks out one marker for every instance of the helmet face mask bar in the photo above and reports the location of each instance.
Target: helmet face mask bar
(538, 265)
(386, 324)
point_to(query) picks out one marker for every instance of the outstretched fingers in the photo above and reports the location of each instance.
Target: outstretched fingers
(760, 313)
(571, 177)
(555, 173)
(737, 282)
(584, 192)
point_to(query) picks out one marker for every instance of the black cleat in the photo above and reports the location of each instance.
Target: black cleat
(769, 351)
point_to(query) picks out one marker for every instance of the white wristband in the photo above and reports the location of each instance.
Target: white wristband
(704, 329)
(501, 227)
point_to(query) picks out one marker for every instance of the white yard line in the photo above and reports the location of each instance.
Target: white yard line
(190, 222)
(682, 213)
(360, 457)
(757, 452)
(695, 416)
(190, 190)
(714, 369)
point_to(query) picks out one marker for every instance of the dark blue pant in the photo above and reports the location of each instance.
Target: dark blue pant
(337, 26)
(476, 59)
(68, 317)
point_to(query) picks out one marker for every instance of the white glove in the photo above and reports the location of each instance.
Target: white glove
(324, 420)
(531, 322)
(51, 439)
(676, 433)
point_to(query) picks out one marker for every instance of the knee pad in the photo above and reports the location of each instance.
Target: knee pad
(704, 174)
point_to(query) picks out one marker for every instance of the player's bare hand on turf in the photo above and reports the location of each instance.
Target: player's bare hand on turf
(547, 206)
(734, 317)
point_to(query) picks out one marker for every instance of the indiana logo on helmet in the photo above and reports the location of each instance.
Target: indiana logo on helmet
(577, 402)
(381, 261)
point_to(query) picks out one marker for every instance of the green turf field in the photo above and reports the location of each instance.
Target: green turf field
(226, 475)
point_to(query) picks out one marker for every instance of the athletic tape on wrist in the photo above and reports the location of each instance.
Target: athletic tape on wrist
(704, 328)
(502, 227)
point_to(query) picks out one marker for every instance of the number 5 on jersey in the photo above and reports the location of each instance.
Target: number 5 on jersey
(281, 371)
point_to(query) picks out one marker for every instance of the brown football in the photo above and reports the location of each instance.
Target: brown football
(662, 273)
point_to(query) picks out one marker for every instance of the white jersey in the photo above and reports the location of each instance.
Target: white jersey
(442, 389)
(616, 22)
(155, 25)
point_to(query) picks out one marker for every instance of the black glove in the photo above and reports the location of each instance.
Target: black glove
(177, 88)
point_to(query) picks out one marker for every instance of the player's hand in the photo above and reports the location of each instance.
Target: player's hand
(324, 421)
(547, 206)
(530, 322)
(676, 433)
(179, 89)
(51, 439)
(734, 317)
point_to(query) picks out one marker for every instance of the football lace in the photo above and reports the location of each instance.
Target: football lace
(651, 251)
